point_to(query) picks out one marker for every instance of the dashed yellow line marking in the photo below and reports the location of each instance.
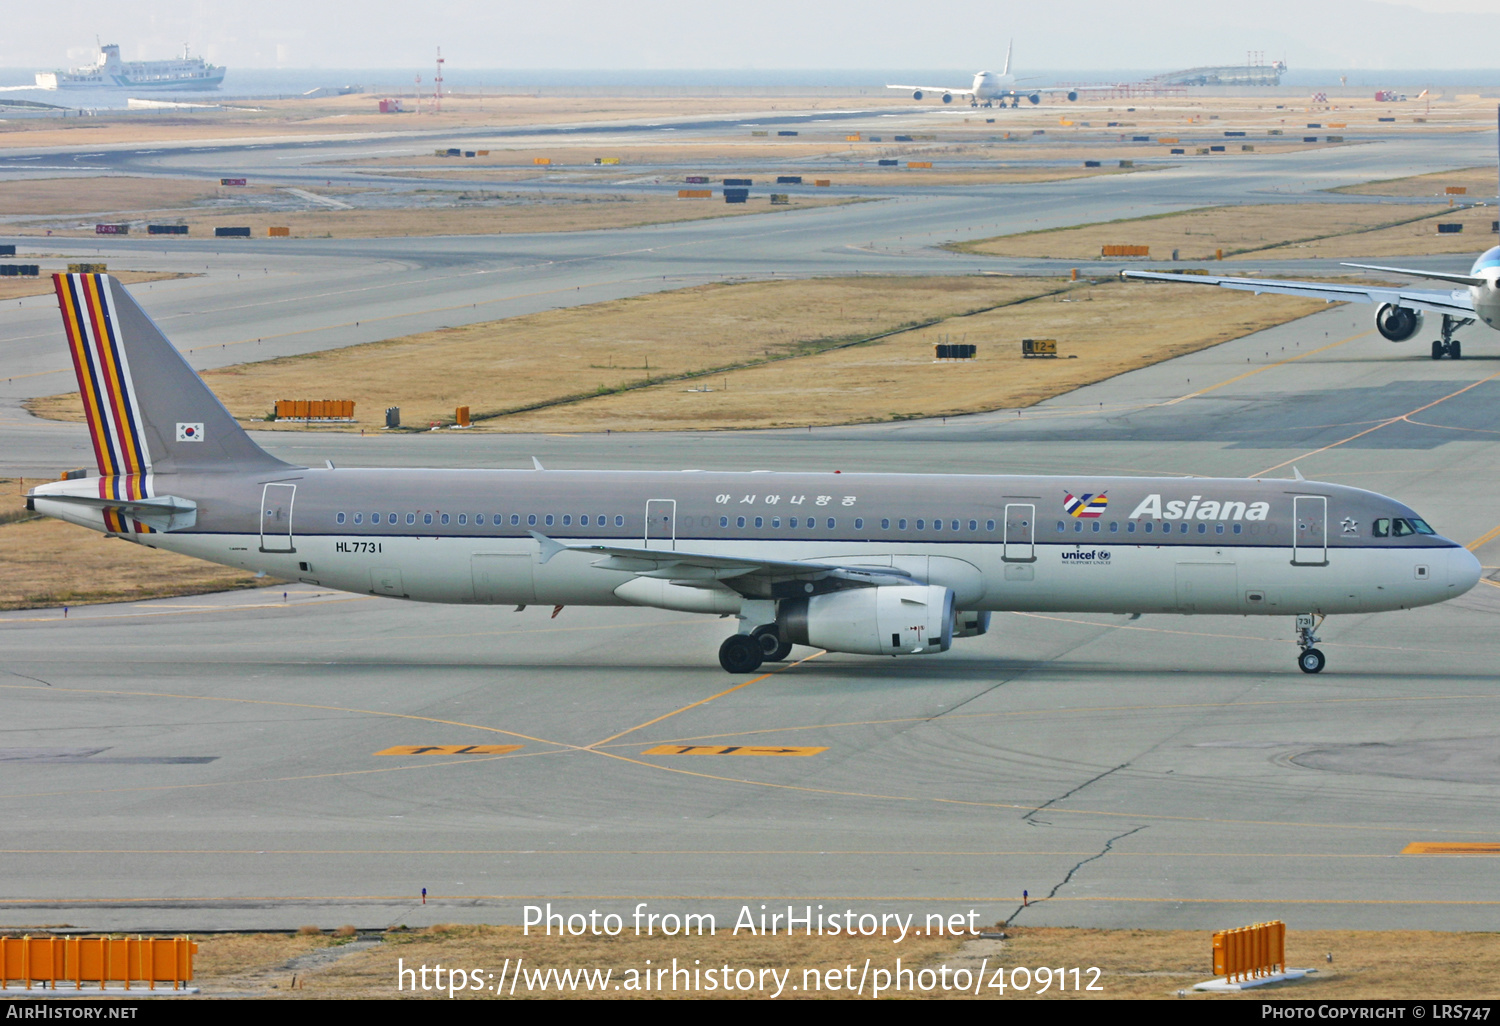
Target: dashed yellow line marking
(729, 750)
(1451, 848)
(450, 750)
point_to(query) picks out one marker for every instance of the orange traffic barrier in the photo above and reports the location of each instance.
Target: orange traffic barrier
(1119, 251)
(279, 233)
(851, 138)
(1250, 952)
(919, 163)
(44, 962)
(1168, 140)
(315, 409)
(695, 193)
(823, 181)
(462, 416)
(1456, 190)
(541, 160)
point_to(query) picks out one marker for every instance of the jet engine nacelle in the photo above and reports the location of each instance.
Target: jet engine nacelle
(1035, 97)
(968, 623)
(1397, 323)
(917, 95)
(903, 619)
(947, 97)
(1073, 95)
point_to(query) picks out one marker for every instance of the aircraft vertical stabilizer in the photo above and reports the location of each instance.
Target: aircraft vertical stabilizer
(147, 410)
(1008, 48)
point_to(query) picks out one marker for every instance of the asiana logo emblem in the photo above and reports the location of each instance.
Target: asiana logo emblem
(1085, 507)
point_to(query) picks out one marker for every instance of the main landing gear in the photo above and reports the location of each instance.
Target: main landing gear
(1448, 345)
(744, 653)
(1311, 660)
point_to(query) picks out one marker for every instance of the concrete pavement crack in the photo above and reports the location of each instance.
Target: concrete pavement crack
(1108, 846)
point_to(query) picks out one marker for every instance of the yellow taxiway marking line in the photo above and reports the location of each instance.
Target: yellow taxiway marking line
(1229, 637)
(701, 701)
(1484, 539)
(450, 750)
(737, 853)
(729, 750)
(1271, 366)
(1065, 711)
(1377, 427)
(1451, 848)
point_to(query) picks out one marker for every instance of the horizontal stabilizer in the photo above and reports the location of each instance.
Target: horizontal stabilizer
(160, 513)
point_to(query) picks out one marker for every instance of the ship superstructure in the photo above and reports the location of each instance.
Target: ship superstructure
(110, 72)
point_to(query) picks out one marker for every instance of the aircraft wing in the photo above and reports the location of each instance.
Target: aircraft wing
(965, 91)
(1458, 302)
(704, 568)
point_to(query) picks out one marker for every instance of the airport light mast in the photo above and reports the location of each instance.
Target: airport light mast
(437, 84)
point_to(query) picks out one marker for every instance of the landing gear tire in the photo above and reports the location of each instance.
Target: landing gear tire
(1311, 661)
(772, 648)
(1437, 350)
(1456, 349)
(741, 653)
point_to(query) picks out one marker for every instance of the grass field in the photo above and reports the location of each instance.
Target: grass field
(46, 563)
(1481, 183)
(1133, 964)
(70, 208)
(1293, 229)
(790, 354)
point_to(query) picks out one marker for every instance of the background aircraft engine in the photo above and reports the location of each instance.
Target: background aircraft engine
(1397, 323)
(970, 624)
(1073, 95)
(917, 95)
(947, 97)
(903, 619)
(1035, 97)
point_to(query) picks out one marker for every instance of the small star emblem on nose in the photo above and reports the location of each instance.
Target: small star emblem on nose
(1350, 525)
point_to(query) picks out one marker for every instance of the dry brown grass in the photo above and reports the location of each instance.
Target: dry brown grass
(495, 366)
(782, 336)
(1417, 239)
(1135, 964)
(18, 288)
(1307, 229)
(488, 213)
(106, 194)
(858, 175)
(47, 563)
(1479, 181)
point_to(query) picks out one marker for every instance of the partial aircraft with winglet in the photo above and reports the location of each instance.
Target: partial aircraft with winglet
(1399, 310)
(870, 563)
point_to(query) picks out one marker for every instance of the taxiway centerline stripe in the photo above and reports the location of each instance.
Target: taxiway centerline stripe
(1230, 637)
(1377, 427)
(1091, 710)
(1053, 809)
(1270, 366)
(550, 852)
(702, 701)
(1484, 539)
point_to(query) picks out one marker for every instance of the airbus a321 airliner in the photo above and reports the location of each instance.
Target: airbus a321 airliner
(876, 564)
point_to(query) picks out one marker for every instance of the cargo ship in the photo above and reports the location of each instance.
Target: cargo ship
(109, 72)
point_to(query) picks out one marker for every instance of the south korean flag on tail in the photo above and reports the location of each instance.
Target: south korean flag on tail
(189, 432)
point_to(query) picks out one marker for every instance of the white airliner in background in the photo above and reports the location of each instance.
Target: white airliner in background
(990, 86)
(875, 564)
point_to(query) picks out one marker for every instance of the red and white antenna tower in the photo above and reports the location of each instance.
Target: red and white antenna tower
(437, 87)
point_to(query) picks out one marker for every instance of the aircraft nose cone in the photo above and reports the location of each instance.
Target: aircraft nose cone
(1463, 570)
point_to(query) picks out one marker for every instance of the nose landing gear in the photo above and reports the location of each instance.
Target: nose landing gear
(1310, 660)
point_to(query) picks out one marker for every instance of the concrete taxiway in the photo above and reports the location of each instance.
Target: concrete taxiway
(217, 761)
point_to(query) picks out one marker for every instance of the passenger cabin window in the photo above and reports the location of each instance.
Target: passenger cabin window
(989, 525)
(359, 518)
(619, 521)
(901, 524)
(445, 519)
(859, 523)
(885, 524)
(426, 518)
(341, 518)
(411, 518)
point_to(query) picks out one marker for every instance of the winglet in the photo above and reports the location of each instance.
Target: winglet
(550, 547)
(1297, 474)
(536, 464)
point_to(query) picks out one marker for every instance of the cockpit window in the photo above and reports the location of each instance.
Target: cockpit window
(1420, 526)
(1382, 528)
(1400, 528)
(1489, 258)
